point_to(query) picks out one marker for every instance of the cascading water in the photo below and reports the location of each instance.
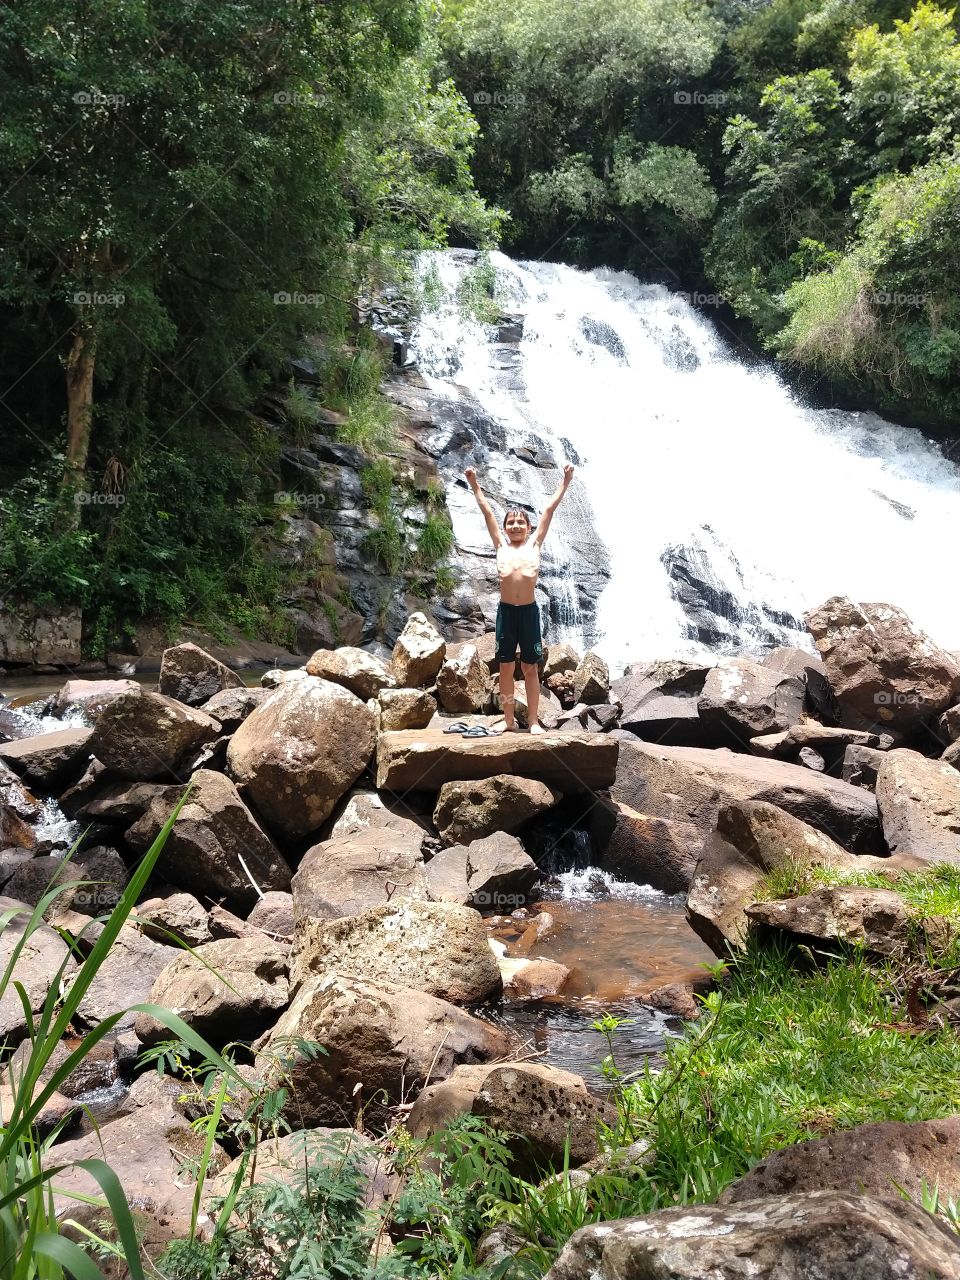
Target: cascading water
(727, 506)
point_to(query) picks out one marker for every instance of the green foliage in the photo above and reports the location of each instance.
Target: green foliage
(434, 542)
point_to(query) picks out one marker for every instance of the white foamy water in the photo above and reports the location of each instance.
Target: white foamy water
(579, 885)
(684, 446)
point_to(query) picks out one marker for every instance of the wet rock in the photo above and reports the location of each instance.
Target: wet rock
(354, 669)
(634, 846)
(808, 667)
(462, 682)
(386, 1038)
(875, 918)
(437, 947)
(748, 699)
(919, 802)
(871, 1159)
(36, 968)
(689, 784)
(526, 979)
(179, 914)
(232, 706)
(406, 709)
(50, 761)
(815, 1235)
(216, 846)
(495, 872)
(225, 990)
(191, 675)
(142, 736)
(300, 751)
(418, 653)
(751, 839)
(541, 1107)
(468, 811)
(860, 765)
(676, 998)
(591, 680)
(882, 668)
(351, 872)
(273, 914)
(85, 699)
(426, 759)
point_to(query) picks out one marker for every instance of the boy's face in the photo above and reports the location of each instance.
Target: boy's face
(516, 528)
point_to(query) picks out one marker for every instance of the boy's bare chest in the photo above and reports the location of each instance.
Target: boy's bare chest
(524, 560)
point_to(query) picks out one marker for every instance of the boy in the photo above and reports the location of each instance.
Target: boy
(518, 618)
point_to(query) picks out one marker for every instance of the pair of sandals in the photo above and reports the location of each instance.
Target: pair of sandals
(472, 730)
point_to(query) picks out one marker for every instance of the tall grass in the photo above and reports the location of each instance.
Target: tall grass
(32, 1246)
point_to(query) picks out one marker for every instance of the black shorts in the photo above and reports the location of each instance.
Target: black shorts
(518, 625)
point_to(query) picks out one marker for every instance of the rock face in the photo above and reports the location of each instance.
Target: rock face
(462, 682)
(406, 709)
(883, 668)
(50, 761)
(216, 846)
(143, 735)
(378, 1035)
(36, 967)
(349, 873)
(440, 948)
(298, 752)
(871, 1159)
(747, 698)
(591, 680)
(424, 760)
(817, 1235)
(492, 874)
(689, 784)
(542, 1107)
(654, 851)
(751, 839)
(35, 636)
(919, 801)
(355, 669)
(468, 811)
(418, 654)
(875, 918)
(191, 675)
(227, 989)
(85, 699)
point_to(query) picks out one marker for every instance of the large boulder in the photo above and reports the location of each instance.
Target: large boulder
(143, 735)
(51, 761)
(820, 699)
(491, 874)
(37, 966)
(406, 709)
(545, 1111)
(351, 872)
(813, 1235)
(366, 810)
(418, 653)
(216, 846)
(591, 680)
(462, 682)
(659, 702)
(919, 801)
(360, 672)
(300, 751)
(689, 784)
(437, 947)
(880, 1160)
(232, 706)
(646, 850)
(875, 919)
(385, 1038)
(191, 675)
(747, 698)
(224, 990)
(85, 699)
(468, 811)
(41, 637)
(424, 760)
(751, 839)
(882, 668)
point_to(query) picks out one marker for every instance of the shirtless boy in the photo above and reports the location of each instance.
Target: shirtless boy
(518, 618)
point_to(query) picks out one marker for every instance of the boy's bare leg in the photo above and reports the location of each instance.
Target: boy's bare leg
(531, 682)
(507, 700)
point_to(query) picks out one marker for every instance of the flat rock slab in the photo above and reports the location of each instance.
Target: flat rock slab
(424, 759)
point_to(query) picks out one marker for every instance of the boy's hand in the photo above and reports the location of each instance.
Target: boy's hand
(471, 475)
(568, 473)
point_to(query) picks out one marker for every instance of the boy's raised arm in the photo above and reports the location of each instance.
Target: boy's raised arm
(544, 526)
(491, 520)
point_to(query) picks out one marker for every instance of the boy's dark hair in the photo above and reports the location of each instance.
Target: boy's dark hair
(516, 511)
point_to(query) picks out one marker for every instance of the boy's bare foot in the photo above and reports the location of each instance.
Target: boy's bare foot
(537, 728)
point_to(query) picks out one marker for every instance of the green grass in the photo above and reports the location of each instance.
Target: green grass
(435, 541)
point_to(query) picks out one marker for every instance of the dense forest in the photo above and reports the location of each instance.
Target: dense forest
(194, 195)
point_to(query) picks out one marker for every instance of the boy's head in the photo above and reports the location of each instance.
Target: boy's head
(516, 525)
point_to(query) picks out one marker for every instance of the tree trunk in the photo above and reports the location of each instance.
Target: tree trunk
(80, 367)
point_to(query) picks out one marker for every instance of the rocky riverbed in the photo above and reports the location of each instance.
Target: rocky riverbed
(348, 872)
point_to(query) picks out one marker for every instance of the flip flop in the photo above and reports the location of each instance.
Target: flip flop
(459, 727)
(481, 731)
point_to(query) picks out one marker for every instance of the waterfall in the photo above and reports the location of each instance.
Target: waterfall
(727, 506)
